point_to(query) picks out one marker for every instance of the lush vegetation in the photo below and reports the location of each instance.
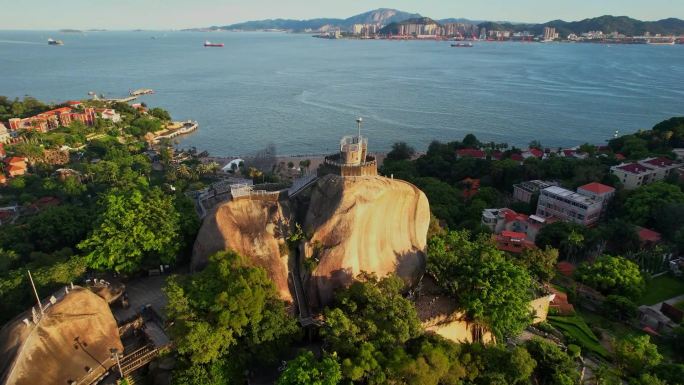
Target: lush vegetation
(223, 317)
(491, 289)
(109, 212)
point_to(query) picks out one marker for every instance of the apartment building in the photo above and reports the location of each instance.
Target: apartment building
(635, 174)
(583, 207)
(523, 192)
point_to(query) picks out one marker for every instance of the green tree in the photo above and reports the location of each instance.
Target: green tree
(491, 289)
(160, 113)
(612, 275)
(554, 367)
(642, 206)
(635, 354)
(226, 304)
(619, 308)
(368, 324)
(134, 228)
(401, 151)
(307, 370)
(539, 262)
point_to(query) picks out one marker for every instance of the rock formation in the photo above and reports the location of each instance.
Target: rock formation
(71, 342)
(370, 223)
(254, 229)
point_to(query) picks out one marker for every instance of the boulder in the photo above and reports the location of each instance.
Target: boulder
(370, 223)
(71, 342)
(253, 228)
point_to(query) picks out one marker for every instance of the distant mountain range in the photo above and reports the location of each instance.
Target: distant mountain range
(382, 16)
(623, 24)
(387, 17)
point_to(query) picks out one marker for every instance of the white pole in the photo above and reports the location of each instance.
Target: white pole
(40, 305)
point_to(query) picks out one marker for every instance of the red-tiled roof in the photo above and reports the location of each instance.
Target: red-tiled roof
(497, 155)
(620, 157)
(470, 152)
(74, 102)
(634, 168)
(513, 234)
(647, 235)
(597, 188)
(569, 152)
(660, 162)
(536, 152)
(565, 268)
(517, 157)
(16, 159)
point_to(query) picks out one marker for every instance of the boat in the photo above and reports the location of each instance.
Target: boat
(210, 44)
(462, 45)
(52, 41)
(661, 42)
(142, 91)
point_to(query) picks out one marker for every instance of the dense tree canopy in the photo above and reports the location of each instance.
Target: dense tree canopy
(307, 370)
(554, 367)
(226, 303)
(369, 321)
(135, 228)
(635, 354)
(644, 203)
(612, 275)
(491, 289)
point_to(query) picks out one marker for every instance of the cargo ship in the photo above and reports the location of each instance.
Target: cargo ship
(660, 42)
(210, 44)
(52, 41)
(463, 45)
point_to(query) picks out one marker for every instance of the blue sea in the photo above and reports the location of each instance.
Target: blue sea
(302, 93)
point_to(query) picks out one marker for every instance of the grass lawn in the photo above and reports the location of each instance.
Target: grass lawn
(662, 288)
(578, 332)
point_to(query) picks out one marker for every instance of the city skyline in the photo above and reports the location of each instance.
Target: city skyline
(178, 14)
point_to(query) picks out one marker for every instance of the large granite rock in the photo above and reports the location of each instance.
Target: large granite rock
(370, 223)
(254, 229)
(72, 342)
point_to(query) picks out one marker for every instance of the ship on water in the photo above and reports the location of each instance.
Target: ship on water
(463, 45)
(52, 41)
(210, 44)
(660, 42)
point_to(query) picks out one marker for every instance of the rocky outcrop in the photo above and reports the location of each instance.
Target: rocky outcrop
(371, 223)
(72, 342)
(253, 228)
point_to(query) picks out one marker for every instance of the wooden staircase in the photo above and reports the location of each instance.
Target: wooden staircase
(138, 359)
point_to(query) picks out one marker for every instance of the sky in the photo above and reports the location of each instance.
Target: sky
(175, 14)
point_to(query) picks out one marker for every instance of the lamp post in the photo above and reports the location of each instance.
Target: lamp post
(115, 353)
(358, 124)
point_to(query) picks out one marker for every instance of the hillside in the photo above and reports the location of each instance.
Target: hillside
(393, 28)
(622, 24)
(381, 16)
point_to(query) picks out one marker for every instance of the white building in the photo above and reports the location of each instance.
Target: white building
(523, 192)
(583, 207)
(4, 134)
(636, 174)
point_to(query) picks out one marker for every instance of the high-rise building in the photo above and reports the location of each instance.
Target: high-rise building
(550, 33)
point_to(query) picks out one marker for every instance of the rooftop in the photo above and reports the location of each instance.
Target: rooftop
(471, 152)
(597, 188)
(571, 195)
(633, 168)
(659, 162)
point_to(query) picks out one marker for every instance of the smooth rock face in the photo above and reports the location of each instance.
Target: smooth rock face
(372, 224)
(75, 335)
(252, 228)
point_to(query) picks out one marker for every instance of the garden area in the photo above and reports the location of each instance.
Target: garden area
(578, 332)
(662, 288)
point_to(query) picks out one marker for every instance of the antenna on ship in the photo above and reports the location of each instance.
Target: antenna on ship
(40, 305)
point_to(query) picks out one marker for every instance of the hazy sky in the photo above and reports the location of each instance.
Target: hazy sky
(165, 14)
